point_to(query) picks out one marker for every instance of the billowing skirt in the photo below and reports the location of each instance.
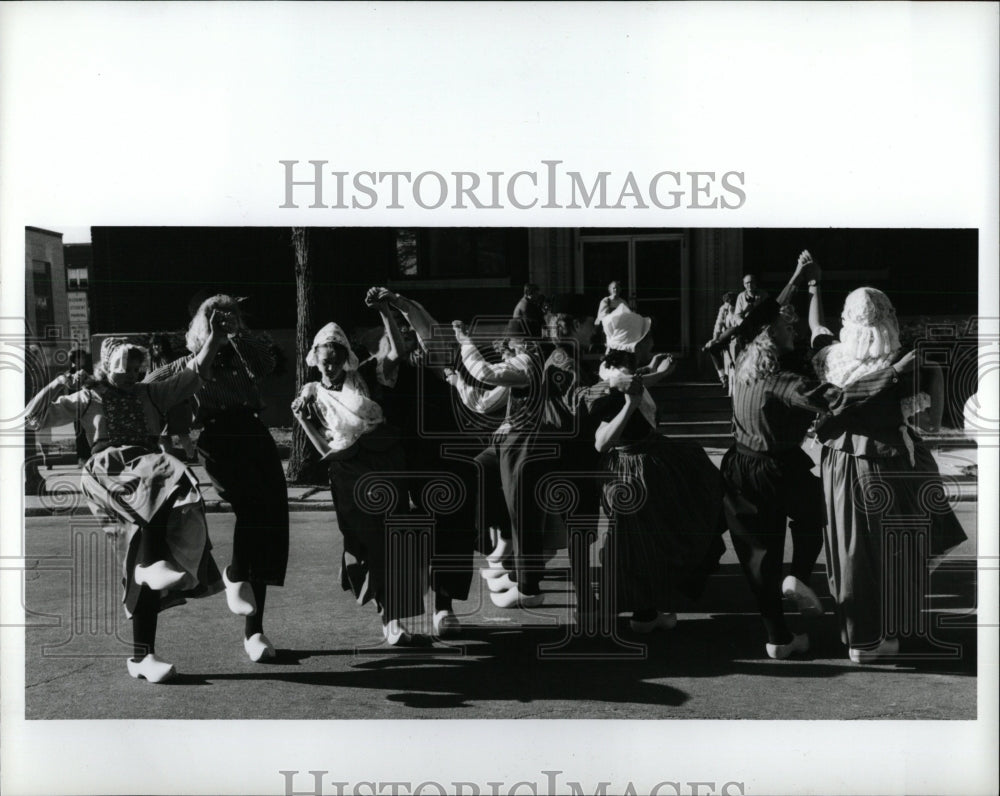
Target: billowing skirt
(664, 502)
(129, 485)
(885, 519)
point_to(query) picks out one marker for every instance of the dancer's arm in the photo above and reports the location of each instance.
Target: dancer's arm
(480, 400)
(415, 313)
(610, 431)
(503, 374)
(656, 371)
(58, 402)
(166, 393)
(804, 270)
(377, 298)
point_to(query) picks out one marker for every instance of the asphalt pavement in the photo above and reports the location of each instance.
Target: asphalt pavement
(333, 664)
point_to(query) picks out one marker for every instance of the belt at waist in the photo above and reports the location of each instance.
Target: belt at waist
(101, 445)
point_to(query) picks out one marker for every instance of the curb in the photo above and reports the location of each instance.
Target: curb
(967, 491)
(211, 507)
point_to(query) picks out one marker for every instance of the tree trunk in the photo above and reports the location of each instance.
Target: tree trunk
(303, 461)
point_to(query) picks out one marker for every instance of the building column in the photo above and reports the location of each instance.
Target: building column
(550, 259)
(716, 260)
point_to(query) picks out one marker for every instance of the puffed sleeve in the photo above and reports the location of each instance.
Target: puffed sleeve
(51, 407)
(167, 393)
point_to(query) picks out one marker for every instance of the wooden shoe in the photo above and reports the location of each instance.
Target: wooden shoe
(503, 583)
(500, 552)
(512, 598)
(804, 597)
(799, 643)
(662, 622)
(158, 575)
(239, 596)
(446, 624)
(396, 636)
(150, 669)
(888, 648)
(259, 648)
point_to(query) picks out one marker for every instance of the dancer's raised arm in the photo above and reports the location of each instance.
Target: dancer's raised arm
(416, 315)
(377, 298)
(511, 373)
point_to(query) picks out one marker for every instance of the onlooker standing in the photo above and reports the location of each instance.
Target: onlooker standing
(721, 358)
(611, 302)
(751, 296)
(530, 306)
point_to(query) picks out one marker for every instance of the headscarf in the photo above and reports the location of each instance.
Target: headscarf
(869, 341)
(329, 335)
(347, 413)
(624, 329)
(870, 329)
(115, 353)
(869, 338)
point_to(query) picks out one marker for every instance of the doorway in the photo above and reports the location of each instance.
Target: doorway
(653, 272)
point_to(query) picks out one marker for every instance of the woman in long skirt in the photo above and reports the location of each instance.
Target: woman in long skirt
(242, 461)
(129, 481)
(887, 515)
(348, 428)
(663, 497)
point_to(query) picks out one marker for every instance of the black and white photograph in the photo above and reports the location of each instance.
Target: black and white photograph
(597, 450)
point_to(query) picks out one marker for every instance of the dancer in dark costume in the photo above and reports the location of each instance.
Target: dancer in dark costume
(349, 429)
(663, 497)
(242, 461)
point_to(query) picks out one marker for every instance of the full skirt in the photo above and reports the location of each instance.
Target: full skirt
(129, 485)
(886, 518)
(664, 502)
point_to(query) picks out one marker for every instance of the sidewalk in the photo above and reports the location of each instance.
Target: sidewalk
(957, 466)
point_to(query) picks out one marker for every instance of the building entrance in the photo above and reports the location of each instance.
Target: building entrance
(654, 275)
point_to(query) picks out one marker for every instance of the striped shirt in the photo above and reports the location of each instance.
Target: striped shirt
(772, 414)
(235, 374)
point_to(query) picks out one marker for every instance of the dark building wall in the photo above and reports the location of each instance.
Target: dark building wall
(925, 272)
(146, 279)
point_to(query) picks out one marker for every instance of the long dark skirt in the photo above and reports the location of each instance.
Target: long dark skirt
(886, 519)
(438, 486)
(382, 560)
(131, 484)
(664, 502)
(243, 463)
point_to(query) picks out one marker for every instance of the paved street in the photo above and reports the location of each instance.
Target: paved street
(333, 664)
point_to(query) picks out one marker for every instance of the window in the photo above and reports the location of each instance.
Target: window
(460, 253)
(43, 311)
(76, 278)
